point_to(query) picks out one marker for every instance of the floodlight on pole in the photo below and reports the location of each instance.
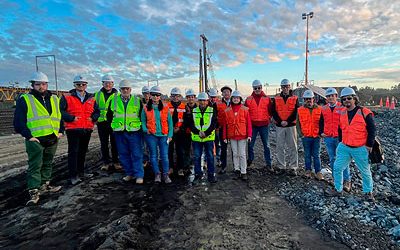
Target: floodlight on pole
(307, 16)
(55, 67)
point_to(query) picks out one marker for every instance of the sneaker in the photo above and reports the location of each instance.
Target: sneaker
(105, 167)
(212, 179)
(85, 176)
(181, 172)
(117, 167)
(237, 175)
(127, 178)
(34, 197)
(244, 177)
(270, 169)
(308, 173)
(370, 197)
(347, 186)
(47, 188)
(139, 180)
(167, 180)
(319, 176)
(332, 192)
(157, 179)
(75, 180)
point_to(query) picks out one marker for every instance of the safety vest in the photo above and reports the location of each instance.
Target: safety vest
(236, 122)
(258, 112)
(181, 111)
(103, 104)
(125, 119)
(221, 106)
(354, 134)
(39, 121)
(309, 121)
(331, 119)
(78, 109)
(283, 109)
(202, 122)
(151, 120)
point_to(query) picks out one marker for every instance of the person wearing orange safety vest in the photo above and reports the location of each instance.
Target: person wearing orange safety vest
(238, 130)
(356, 134)
(284, 112)
(328, 127)
(159, 130)
(259, 105)
(79, 111)
(221, 106)
(177, 110)
(309, 116)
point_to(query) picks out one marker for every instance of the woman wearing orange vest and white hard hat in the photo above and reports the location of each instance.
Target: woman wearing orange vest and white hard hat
(309, 116)
(238, 130)
(79, 111)
(158, 129)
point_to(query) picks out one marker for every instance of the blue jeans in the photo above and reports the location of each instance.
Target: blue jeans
(344, 154)
(311, 153)
(160, 142)
(263, 131)
(129, 145)
(145, 149)
(331, 144)
(208, 151)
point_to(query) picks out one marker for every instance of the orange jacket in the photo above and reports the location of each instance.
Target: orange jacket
(181, 111)
(259, 112)
(331, 119)
(221, 106)
(151, 120)
(283, 109)
(238, 123)
(354, 134)
(82, 110)
(309, 121)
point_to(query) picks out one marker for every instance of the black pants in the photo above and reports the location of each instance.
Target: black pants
(177, 144)
(188, 157)
(106, 135)
(224, 148)
(78, 141)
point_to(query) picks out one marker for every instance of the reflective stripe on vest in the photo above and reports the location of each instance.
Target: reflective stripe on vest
(354, 134)
(283, 109)
(309, 121)
(258, 112)
(236, 122)
(331, 119)
(152, 123)
(181, 110)
(39, 121)
(102, 103)
(202, 122)
(128, 119)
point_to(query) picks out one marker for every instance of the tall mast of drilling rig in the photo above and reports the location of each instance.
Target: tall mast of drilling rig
(201, 86)
(205, 80)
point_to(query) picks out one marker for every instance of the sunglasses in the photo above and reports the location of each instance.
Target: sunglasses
(125, 88)
(330, 96)
(155, 94)
(80, 84)
(40, 83)
(285, 86)
(348, 98)
(257, 88)
(175, 95)
(307, 99)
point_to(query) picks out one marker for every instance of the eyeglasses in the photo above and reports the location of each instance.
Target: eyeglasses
(307, 99)
(125, 88)
(40, 83)
(257, 88)
(155, 94)
(80, 84)
(175, 96)
(285, 86)
(348, 98)
(330, 96)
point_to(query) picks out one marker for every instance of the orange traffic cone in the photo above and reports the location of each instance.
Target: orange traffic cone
(392, 103)
(381, 103)
(387, 102)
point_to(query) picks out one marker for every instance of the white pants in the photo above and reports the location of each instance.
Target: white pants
(239, 155)
(287, 136)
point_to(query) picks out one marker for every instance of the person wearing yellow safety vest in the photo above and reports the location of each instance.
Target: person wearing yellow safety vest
(104, 127)
(37, 118)
(203, 127)
(124, 112)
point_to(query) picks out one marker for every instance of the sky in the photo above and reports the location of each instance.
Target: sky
(351, 42)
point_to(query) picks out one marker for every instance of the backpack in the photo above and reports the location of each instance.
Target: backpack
(376, 155)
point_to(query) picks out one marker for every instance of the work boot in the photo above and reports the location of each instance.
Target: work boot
(332, 192)
(157, 179)
(167, 180)
(222, 171)
(292, 172)
(117, 167)
(75, 180)
(181, 172)
(319, 176)
(347, 186)
(244, 177)
(270, 169)
(212, 179)
(105, 167)
(249, 162)
(236, 175)
(139, 180)
(370, 197)
(85, 175)
(47, 188)
(308, 174)
(127, 178)
(34, 197)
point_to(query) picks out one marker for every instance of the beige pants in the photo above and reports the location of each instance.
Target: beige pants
(287, 136)
(239, 155)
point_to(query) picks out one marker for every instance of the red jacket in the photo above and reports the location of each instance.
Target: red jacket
(331, 119)
(238, 123)
(82, 110)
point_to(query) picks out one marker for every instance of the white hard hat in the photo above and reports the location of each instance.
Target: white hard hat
(330, 91)
(213, 92)
(80, 78)
(285, 82)
(190, 92)
(256, 83)
(155, 89)
(39, 77)
(236, 93)
(347, 91)
(125, 84)
(202, 96)
(308, 94)
(176, 91)
(145, 89)
(107, 78)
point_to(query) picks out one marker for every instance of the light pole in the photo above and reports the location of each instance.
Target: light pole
(55, 68)
(307, 16)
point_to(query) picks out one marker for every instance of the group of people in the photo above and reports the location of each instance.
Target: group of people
(148, 131)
